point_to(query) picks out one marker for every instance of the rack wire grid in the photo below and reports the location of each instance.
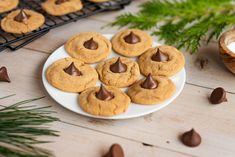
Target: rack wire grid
(16, 41)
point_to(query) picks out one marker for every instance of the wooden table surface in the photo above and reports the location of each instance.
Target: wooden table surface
(154, 135)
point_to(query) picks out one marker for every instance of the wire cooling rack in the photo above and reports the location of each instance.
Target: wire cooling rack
(16, 41)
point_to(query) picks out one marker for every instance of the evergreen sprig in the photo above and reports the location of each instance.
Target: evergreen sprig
(182, 23)
(21, 125)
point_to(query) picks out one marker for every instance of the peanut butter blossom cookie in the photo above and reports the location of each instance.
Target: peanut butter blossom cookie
(152, 90)
(118, 72)
(22, 21)
(71, 75)
(104, 101)
(90, 47)
(131, 42)
(7, 5)
(162, 60)
(61, 7)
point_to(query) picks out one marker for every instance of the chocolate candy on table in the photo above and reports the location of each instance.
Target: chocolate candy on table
(191, 138)
(22, 16)
(104, 94)
(160, 57)
(60, 1)
(4, 77)
(115, 151)
(118, 66)
(91, 44)
(149, 83)
(218, 96)
(132, 38)
(72, 70)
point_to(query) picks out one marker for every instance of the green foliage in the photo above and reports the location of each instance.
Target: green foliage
(182, 23)
(20, 126)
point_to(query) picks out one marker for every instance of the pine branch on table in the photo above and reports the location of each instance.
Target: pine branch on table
(20, 127)
(182, 23)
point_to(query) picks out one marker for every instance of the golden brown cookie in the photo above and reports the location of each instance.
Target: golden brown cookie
(163, 61)
(61, 7)
(7, 5)
(118, 72)
(71, 75)
(98, 1)
(22, 21)
(152, 90)
(90, 47)
(101, 101)
(131, 42)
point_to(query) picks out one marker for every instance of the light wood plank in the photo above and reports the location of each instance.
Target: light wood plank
(57, 37)
(76, 141)
(110, 16)
(214, 74)
(215, 123)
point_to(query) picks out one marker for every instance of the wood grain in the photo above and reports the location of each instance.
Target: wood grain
(216, 124)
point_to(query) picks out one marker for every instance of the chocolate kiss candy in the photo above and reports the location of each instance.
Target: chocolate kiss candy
(72, 70)
(4, 75)
(115, 151)
(60, 1)
(22, 16)
(218, 96)
(149, 83)
(132, 38)
(118, 66)
(191, 138)
(160, 57)
(91, 44)
(104, 94)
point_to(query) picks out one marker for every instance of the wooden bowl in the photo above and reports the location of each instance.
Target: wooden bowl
(227, 56)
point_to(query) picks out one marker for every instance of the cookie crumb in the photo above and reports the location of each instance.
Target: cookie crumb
(147, 145)
(202, 62)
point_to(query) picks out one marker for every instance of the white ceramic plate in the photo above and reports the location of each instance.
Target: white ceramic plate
(70, 100)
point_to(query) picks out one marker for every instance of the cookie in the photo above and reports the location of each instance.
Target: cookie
(101, 101)
(71, 75)
(98, 1)
(163, 60)
(131, 42)
(118, 72)
(152, 90)
(61, 7)
(7, 5)
(22, 21)
(90, 47)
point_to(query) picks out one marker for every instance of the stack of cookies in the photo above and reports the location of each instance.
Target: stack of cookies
(23, 21)
(137, 56)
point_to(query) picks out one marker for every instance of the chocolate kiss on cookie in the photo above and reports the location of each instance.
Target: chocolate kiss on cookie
(118, 66)
(22, 16)
(91, 44)
(160, 57)
(4, 75)
(191, 138)
(72, 70)
(104, 94)
(218, 96)
(132, 38)
(60, 1)
(149, 83)
(115, 151)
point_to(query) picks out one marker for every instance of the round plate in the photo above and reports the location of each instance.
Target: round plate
(70, 100)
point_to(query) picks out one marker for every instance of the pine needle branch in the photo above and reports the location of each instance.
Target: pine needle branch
(20, 127)
(182, 23)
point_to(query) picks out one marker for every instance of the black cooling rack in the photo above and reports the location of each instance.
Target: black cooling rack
(14, 41)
